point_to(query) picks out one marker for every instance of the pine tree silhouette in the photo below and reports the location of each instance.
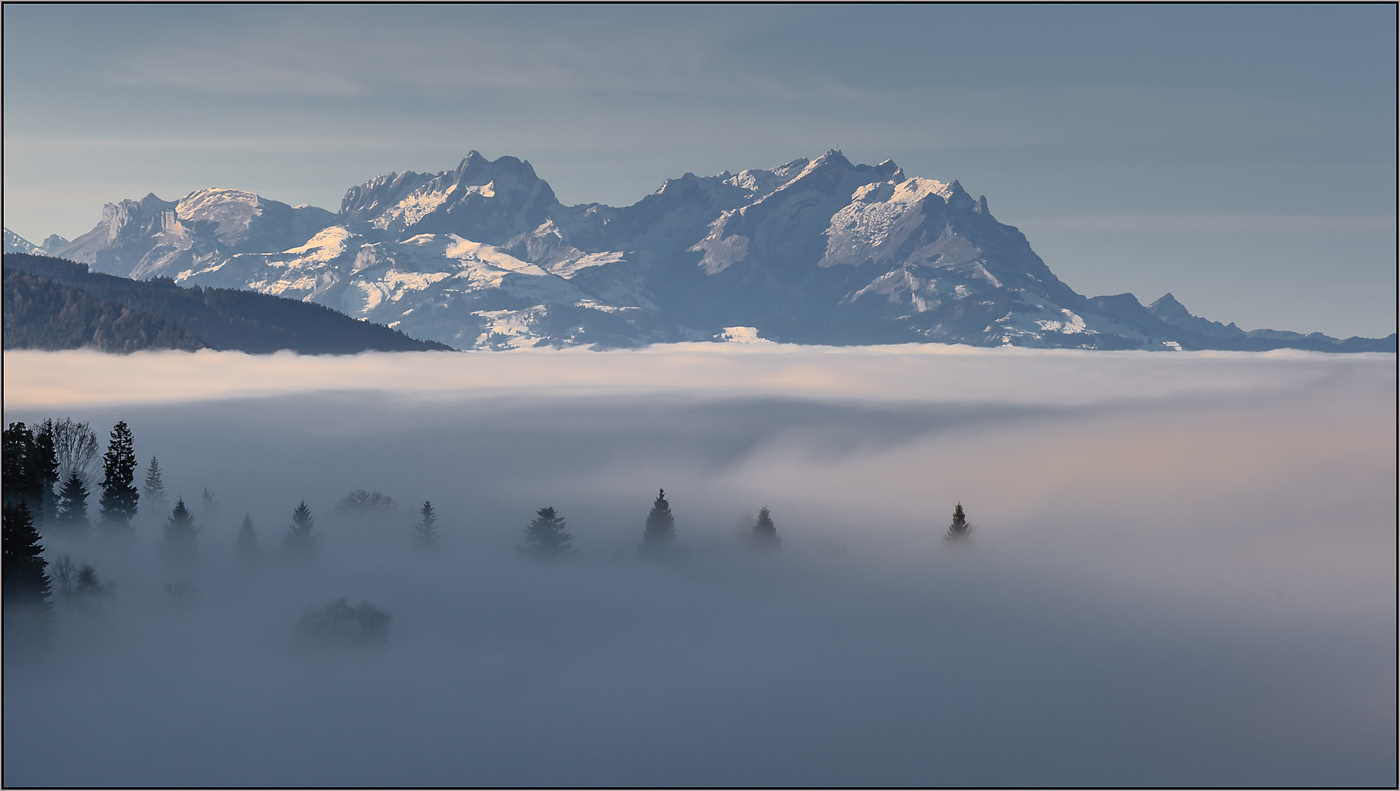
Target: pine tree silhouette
(181, 542)
(248, 552)
(30, 468)
(210, 507)
(119, 495)
(24, 579)
(299, 543)
(960, 529)
(426, 530)
(660, 528)
(71, 513)
(154, 490)
(545, 537)
(46, 468)
(764, 534)
(28, 613)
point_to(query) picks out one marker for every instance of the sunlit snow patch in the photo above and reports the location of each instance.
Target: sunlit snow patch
(741, 335)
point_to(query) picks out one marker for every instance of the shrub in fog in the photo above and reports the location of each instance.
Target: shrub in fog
(366, 505)
(78, 587)
(546, 537)
(181, 592)
(339, 626)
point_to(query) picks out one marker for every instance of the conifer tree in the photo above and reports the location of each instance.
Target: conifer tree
(29, 468)
(28, 613)
(46, 468)
(119, 494)
(248, 552)
(71, 512)
(18, 470)
(660, 528)
(960, 528)
(24, 579)
(154, 490)
(764, 534)
(21, 479)
(546, 537)
(426, 530)
(210, 507)
(299, 543)
(181, 540)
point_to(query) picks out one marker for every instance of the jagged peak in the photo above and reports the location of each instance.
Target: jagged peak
(1166, 300)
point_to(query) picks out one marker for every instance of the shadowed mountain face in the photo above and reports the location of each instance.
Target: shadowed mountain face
(813, 251)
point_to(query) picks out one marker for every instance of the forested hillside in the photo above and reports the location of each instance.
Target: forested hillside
(42, 314)
(64, 305)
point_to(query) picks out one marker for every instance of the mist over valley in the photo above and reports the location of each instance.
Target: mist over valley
(1183, 584)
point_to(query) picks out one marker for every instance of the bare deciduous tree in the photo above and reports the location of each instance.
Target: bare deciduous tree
(76, 448)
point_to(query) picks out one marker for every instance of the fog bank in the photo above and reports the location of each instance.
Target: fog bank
(1181, 573)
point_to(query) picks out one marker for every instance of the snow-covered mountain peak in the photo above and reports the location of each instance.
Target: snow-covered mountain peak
(232, 210)
(14, 243)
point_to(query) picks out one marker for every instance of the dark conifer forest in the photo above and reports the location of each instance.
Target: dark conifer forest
(55, 304)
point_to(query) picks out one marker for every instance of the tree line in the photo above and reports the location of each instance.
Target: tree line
(37, 460)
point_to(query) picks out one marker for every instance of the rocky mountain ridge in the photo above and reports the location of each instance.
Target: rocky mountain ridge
(812, 251)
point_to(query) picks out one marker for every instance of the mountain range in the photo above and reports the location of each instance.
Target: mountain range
(485, 256)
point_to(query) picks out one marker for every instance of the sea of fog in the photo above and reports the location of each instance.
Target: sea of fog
(1182, 571)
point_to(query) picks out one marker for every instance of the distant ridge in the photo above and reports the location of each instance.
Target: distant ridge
(51, 303)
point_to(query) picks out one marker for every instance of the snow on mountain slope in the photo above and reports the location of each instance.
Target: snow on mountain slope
(14, 243)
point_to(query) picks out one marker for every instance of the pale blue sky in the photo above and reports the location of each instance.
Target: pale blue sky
(1241, 157)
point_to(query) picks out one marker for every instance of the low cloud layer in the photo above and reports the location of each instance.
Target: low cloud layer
(1182, 571)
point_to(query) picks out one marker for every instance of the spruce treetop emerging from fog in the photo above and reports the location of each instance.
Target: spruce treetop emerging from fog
(545, 537)
(299, 543)
(660, 528)
(180, 545)
(426, 529)
(960, 528)
(764, 534)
